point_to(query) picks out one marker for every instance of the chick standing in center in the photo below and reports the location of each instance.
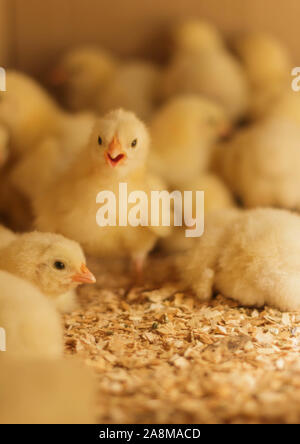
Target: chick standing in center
(116, 153)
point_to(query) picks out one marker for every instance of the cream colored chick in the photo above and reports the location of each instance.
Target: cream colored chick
(212, 72)
(52, 263)
(267, 65)
(36, 391)
(33, 173)
(116, 153)
(183, 133)
(81, 77)
(251, 256)
(261, 164)
(32, 325)
(134, 86)
(216, 197)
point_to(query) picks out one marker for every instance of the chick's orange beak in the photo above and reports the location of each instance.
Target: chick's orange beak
(84, 277)
(225, 131)
(114, 155)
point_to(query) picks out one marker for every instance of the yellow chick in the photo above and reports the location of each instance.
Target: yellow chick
(216, 197)
(251, 256)
(36, 391)
(52, 263)
(212, 71)
(81, 77)
(261, 164)
(183, 133)
(267, 65)
(134, 86)
(32, 325)
(116, 153)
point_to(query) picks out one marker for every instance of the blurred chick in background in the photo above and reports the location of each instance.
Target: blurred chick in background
(48, 391)
(261, 164)
(133, 86)
(216, 197)
(251, 256)
(81, 77)
(52, 263)
(183, 133)
(267, 65)
(116, 152)
(201, 64)
(32, 325)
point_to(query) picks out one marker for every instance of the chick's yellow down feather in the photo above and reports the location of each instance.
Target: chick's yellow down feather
(36, 391)
(116, 153)
(52, 263)
(267, 65)
(213, 72)
(134, 86)
(81, 76)
(252, 256)
(183, 133)
(261, 164)
(32, 325)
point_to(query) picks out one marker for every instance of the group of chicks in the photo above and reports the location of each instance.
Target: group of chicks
(217, 117)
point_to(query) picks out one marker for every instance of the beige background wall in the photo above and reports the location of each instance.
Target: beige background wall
(37, 30)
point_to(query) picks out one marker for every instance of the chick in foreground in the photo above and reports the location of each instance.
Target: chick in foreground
(216, 197)
(183, 133)
(251, 256)
(48, 392)
(209, 69)
(32, 325)
(52, 263)
(261, 164)
(267, 65)
(116, 153)
(134, 86)
(81, 76)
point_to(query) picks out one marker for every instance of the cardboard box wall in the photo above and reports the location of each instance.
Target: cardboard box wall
(34, 32)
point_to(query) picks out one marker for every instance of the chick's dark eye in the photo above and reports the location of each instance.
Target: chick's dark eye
(134, 143)
(59, 265)
(99, 140)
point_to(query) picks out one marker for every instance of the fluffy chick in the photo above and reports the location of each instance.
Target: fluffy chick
(81, 77)
(134, 86)
(32, 325)
(212, 72)
(267, 65)
(183, 133)
(216, 197)
(252, 257)
(52, 263)
(48, 392)
(261, 164)
(116, 153)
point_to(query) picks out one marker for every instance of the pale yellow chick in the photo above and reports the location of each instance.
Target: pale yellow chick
(81, 77)
(216, 197)
(52, 263)
(36, 391)
(183, 133)
(267, 64)
(210, 70)
(261, 164)
(251, 256)
(32, 325)
(116, 153)
(134, 86)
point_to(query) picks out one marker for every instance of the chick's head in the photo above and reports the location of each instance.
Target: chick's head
(53, 263)
(197, 35)
(119, 142)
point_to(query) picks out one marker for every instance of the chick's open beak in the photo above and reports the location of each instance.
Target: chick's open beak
(84, 277)
(114, 155)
